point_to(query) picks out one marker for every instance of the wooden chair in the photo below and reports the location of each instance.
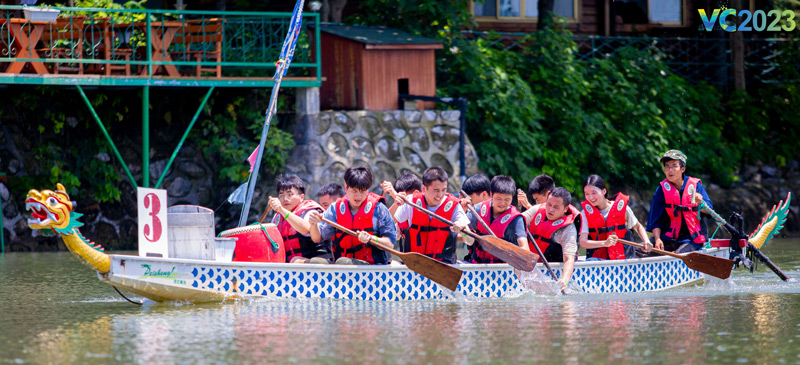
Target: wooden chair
(63, 39)
(201, 40)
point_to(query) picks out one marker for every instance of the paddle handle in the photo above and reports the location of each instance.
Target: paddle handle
(264, 216)
(354, 234)
(478, 217)
(634, 244)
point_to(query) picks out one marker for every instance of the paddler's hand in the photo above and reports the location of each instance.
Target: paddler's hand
(458, 227)
(523, 199)
(563, 282)
(314, 217)
(365, 237)
(647, 246)
(276, 205)
(610, 241)
(659, 244)
(698, 198)
(388, 189)
(400, 198)
(466, 202)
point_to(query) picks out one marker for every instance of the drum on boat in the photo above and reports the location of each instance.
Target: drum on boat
(257, 243)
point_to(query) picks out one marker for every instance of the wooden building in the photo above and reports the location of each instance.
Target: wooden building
(366, 68)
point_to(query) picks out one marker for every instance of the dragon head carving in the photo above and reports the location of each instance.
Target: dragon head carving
(51, 210)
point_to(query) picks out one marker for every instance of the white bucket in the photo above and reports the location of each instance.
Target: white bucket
(224, 248)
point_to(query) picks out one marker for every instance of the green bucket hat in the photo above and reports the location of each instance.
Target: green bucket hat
(673, 155)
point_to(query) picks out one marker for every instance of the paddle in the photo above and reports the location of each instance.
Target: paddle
(512, 254)
(736, 233)
(440, 273)
(264, 216)
(707, 264)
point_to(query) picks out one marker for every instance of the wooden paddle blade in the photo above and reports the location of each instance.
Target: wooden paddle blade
(519, 258)
(715, 266)
(441, 273)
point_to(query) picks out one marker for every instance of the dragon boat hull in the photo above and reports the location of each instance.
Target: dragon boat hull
(208, 281)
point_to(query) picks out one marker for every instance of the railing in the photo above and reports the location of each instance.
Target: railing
(695, 59)
(135, 47)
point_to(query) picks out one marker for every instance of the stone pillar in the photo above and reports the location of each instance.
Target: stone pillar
(307, 101)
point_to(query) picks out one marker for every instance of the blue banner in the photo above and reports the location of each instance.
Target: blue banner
(287, 52)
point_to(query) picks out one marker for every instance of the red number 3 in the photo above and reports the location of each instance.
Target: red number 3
(152, 203)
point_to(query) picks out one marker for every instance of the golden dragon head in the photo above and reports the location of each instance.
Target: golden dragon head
(51, 210)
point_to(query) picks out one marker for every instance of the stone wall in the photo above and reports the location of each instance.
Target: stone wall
(390, 143)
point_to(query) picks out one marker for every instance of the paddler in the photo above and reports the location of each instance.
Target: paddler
(539, 189)
(407, 183)
(504, 220)
(606, 220)
(291, 216)
(673, 211)
(477, 188)
(328, 194)
(552, 226)
(427, 235)
(359, 210)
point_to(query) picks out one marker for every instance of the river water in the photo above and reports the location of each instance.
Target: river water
(53, 309)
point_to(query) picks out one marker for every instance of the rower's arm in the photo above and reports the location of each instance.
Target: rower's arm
(297, 222)
(585, 242)
(569, 267)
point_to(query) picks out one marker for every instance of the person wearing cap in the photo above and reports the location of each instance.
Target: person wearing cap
(673, 211)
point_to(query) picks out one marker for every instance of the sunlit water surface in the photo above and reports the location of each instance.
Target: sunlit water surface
(53, 309)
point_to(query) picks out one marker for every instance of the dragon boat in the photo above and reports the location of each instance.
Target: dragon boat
(217, 278)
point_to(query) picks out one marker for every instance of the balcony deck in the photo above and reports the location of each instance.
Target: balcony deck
(120, 47)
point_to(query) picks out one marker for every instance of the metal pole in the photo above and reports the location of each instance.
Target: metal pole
(251, 186)
(146, 136)
(108, 137)
(2, 235)
(149, 49)
(462, 165)
(185, 134)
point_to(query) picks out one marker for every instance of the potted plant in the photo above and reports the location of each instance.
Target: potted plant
(42, 14)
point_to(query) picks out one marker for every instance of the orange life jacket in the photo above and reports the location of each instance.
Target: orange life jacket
(600, 228)
(680, 209)
(429, 236)
(345, 245)
(294, 243)
(542, 231)
(498, 226)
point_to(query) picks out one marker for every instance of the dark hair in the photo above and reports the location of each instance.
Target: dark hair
(408, 183)
(476, 184)
(563, 194)
(503, 185)
(286, 182)
(332, 189)
(541, 185)
(596, 181)
(358, 178)
(434, 174)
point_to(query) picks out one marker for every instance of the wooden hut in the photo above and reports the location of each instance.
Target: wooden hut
(365, 68)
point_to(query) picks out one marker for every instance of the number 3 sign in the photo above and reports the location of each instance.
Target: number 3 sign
(152, 209)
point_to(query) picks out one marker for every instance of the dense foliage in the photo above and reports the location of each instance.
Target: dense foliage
(612, 116)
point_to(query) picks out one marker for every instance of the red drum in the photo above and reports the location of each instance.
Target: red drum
(257, 243)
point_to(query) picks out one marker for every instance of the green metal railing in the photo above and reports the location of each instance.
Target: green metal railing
(695, 59)
(146, 47)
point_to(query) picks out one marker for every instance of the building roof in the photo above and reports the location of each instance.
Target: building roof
(381, 37)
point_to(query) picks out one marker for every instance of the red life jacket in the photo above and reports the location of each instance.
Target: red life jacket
(345, 245)
(294, 243)
(498, 226)
(600, 228)
(542, 231)
(680, 209)
(429, 236)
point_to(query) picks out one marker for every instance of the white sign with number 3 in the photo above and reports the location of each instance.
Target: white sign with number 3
(152, 209)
